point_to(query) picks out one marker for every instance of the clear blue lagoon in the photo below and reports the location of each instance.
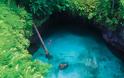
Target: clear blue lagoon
(86, 54)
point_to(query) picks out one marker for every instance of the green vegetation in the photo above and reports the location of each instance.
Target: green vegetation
(15, 61)
(105, 12)
(16, 27)
(121, 12)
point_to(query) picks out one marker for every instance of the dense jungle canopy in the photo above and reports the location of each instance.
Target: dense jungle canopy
(17, 16)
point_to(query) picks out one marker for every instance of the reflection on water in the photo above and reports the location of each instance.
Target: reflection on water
(87, 57)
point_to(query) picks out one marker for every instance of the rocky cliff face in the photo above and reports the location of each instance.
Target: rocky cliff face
(115, 39)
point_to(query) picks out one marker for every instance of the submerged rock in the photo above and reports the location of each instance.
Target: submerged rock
(49, 56)
(63, 66)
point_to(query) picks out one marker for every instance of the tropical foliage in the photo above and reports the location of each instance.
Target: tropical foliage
(15, 61)
(105, 12)
(16, 27)
(121, 12)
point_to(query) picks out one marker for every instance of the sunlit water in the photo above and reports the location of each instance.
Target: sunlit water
(87, 56)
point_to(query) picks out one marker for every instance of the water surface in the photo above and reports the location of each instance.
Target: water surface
(87, 56)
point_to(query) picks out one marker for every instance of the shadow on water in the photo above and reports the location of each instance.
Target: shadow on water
(73, 40)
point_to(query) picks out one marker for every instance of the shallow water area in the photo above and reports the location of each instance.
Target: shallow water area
(86, 55)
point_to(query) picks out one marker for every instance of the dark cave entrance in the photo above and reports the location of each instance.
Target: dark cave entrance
(68, 22)
(63, 21)
(80, 27)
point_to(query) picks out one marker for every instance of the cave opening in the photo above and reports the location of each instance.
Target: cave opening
(63, 21)
(76, 42)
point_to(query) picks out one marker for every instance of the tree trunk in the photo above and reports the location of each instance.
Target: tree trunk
(41, 40)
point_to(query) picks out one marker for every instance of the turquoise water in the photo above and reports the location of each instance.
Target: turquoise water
(87, 56)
